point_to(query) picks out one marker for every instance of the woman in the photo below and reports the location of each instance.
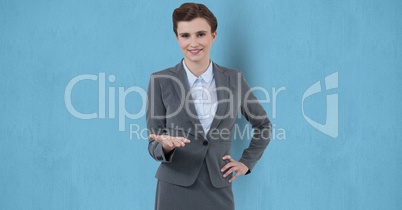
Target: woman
(191, 112)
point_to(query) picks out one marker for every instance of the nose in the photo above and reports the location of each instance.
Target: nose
(193, 42)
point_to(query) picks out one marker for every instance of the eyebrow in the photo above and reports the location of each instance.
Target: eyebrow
(195, 32)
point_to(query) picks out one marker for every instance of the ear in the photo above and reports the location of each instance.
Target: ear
(214, 35)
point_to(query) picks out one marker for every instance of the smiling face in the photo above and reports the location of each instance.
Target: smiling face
(195, 39)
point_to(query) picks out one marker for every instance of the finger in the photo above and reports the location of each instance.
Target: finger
(182, 144)
(227, 157)
(234, 177)
(170, 144)
(177, 143)
(184, 140)
(161, 138)
(231, 170)
(227, 166)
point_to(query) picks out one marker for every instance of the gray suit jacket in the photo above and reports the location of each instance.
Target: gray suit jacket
(170, 111)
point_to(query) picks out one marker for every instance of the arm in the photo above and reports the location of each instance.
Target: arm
(156, 122)
(252, 110)
(161, 147)
(256, 115)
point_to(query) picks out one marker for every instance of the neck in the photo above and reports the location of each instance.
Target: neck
(197, 68)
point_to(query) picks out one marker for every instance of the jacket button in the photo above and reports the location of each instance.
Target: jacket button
(205, 143)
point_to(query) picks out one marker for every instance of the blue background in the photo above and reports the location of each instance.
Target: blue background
(50, 159)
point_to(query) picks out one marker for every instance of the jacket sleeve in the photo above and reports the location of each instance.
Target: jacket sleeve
(156, 120)
(254, 113)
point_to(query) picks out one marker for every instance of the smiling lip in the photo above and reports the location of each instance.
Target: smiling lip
(194, 51)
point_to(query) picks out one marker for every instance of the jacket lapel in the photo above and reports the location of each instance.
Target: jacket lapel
(221, 82)
(222, 94)
(184, 86)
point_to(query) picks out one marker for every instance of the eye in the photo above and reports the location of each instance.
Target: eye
(185, 35)
(201, 34)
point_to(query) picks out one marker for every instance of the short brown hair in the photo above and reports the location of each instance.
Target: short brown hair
(190, 11)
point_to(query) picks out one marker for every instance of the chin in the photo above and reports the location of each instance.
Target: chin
(195, 58)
